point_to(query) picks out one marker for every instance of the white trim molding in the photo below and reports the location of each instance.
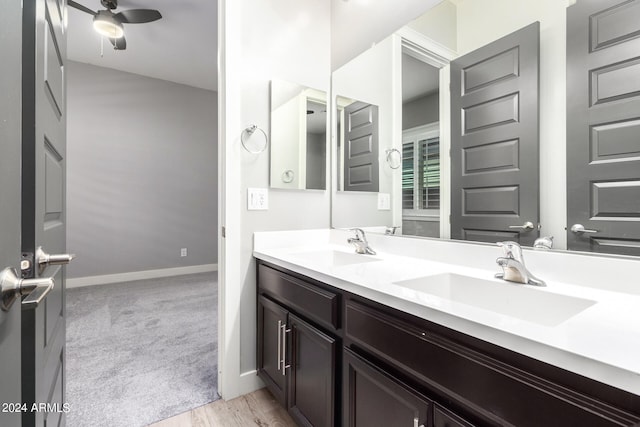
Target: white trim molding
(421, 47)
(138, 275)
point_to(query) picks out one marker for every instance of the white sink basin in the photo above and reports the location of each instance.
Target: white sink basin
(511, 299)
(331, 258)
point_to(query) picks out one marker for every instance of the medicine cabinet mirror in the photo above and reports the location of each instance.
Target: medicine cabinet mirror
(298, 137)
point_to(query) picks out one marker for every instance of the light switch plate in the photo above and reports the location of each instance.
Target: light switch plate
(384, 201)
(257, 199)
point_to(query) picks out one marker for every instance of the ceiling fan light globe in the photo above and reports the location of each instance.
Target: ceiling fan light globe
(108, 27)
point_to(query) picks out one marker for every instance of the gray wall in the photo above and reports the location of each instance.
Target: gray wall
(141, 172)
(423, 228)
(421, 111)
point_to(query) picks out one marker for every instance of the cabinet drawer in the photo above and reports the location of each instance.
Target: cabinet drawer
(305, 298)
(494, 392)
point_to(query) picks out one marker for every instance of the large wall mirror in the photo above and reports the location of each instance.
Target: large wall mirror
(473, 94)
(298, 137)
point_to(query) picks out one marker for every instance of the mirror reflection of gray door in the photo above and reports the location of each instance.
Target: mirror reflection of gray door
(10, 321)
(43, 189)
(494, 140)
(603, 126)
(361, 170)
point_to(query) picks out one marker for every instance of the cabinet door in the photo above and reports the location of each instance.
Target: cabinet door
(312, 371)
(373, 398)
(271, 318)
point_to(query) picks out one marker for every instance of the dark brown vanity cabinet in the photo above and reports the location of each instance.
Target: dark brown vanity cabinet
(297, 345)
(335, 358)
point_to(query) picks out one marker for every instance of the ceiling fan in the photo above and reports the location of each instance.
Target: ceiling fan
(109, 24)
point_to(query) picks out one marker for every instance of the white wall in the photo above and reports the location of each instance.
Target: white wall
(141, 173)
(480, 22)
(439, 24)
(356, 80)
(356, 24)
(260, 41)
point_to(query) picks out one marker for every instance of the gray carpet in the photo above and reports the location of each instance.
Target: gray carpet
(142, 351)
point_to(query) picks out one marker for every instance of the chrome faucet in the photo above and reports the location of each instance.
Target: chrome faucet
(512, 263)
(360, 242)
(391, 230)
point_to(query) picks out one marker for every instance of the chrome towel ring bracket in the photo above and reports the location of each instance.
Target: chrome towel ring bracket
(252, 142)
(287, 176)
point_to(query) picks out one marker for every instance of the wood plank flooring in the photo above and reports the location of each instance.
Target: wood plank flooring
(258, 409)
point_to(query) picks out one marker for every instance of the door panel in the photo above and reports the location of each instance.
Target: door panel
(603, 120)
(270, 317)
(371, 398)
(10, 135)
(313, 366)
(361, 168)
(43, 183)
(494, 146)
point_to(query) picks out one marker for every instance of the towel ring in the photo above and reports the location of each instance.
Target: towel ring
(245, 136)
(394, 162)
(287, 176)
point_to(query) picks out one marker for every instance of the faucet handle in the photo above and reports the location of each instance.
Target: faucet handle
(359, 233)
(511, 250)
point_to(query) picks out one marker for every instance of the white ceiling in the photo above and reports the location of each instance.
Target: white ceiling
(418, 78)
(181, 47)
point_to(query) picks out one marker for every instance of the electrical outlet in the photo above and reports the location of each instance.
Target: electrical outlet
(257, 199)
(384, 201)
(183, 252)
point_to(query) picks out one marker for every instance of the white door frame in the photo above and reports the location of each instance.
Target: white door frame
(433, 53)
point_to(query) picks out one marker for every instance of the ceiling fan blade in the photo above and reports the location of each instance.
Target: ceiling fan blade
(137, 16)
(80, 7)
(119, 44)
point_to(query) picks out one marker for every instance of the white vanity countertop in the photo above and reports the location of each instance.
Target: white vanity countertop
(601, 340)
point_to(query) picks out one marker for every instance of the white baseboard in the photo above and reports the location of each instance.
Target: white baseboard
(78, 282)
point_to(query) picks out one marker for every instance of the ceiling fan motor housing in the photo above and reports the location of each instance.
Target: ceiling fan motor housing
(109, 4)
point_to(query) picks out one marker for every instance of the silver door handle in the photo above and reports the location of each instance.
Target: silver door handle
(44, 259)
(279, 345)
(14, 287)
(579, 228)
(526, 226)
(284, 365)
(416, 422)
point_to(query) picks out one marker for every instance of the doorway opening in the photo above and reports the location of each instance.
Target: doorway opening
(142, 295)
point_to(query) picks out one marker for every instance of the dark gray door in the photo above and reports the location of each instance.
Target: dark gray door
(494, 140)
(361, 170)
(43, 219)
(10, 37)
(603, 126)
